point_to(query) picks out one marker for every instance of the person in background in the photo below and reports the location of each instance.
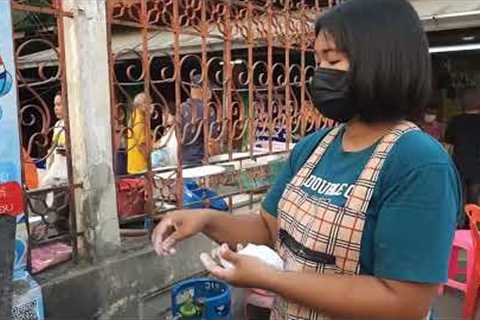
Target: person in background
(56, 161)
(193, 148)
(165, 148)
(431, 125)
(57, 149)
(136, 144)
(57, 173)
(463, 133)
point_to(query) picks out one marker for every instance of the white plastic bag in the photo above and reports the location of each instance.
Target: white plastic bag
(263, 253)
(166, 155)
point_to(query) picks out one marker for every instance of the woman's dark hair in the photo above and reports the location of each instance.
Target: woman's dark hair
(390, 66)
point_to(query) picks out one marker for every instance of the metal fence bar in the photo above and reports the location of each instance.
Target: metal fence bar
(178, 97)
(270, 73)
(205, 81)
(147, 105)
(288, 107)
(71, 185)
(264, 54)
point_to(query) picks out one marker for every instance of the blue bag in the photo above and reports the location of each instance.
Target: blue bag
(195, 197)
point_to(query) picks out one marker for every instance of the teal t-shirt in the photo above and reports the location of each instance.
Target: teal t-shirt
(411, 218)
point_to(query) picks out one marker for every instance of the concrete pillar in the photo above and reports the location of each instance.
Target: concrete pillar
(88, 89)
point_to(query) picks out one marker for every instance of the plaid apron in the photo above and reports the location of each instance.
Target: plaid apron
(318, 236)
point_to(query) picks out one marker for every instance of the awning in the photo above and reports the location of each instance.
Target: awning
(448, 14)
(436, 15)
(128, 45)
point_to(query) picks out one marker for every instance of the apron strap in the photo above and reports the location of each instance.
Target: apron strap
(306, 170)
(362, 192)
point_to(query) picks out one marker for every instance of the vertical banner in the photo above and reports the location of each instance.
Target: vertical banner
(10, 165)
(12, 250)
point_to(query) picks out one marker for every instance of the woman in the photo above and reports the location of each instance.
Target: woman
(56, 161)
(362, 215)
(136, 141)
(58, 140)
(56, 173)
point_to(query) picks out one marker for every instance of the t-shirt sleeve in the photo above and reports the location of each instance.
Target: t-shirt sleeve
(416, 224)
(270, 203)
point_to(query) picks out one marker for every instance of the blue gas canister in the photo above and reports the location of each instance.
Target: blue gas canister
(201, 299)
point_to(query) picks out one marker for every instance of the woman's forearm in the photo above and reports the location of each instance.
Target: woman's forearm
(359, 297)
(234, 229)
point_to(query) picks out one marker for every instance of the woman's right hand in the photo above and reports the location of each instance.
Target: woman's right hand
(177, 226)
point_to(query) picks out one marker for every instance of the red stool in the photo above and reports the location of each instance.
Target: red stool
(468, 240)
(462, 241)
(473, 283)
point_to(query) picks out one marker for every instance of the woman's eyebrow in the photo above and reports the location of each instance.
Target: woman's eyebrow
(329, 50)
(324, 52)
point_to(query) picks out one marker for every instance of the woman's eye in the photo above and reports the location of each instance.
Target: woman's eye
(334, 62)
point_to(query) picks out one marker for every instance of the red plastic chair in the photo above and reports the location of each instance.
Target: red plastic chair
(468, 240)
(461, 241)
(473, 283)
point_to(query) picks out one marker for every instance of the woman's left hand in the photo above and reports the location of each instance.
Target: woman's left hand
(244, 272)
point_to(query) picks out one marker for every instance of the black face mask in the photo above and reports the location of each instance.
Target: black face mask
(331, 94)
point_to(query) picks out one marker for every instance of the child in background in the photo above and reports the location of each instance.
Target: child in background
(431, 126)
